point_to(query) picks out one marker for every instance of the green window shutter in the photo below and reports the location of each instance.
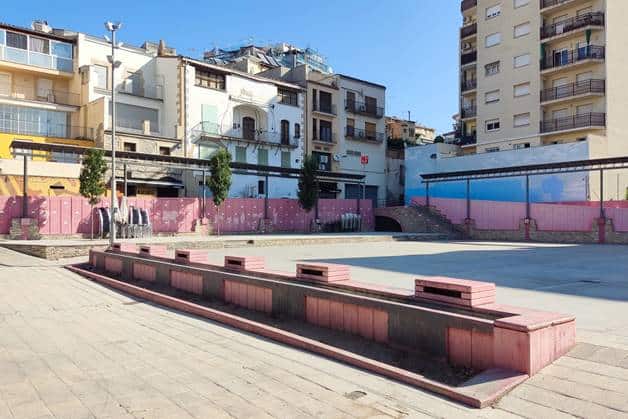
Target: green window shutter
(285, 159)
(209, 116)
(262, 157)
(240, 154)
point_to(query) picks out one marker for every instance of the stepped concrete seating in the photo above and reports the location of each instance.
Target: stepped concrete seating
(124, 247)
(244, 263)
(154, 251)
(323, 272)
(461, 292)
(188, 256)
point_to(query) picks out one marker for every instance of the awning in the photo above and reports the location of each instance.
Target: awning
(162, 183)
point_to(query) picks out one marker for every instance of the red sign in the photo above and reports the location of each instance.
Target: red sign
(364, 159)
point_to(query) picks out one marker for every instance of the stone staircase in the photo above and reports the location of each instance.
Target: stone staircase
(420, 219)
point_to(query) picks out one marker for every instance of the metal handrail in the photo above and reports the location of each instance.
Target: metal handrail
(363, 108)
(564, 58)
(573, 23)
(573, 89)
(468, 30)
(362, 134)
(575, 121)
(60, 97)
(45, 129)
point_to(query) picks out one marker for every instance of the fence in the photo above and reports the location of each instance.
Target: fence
(66, 215)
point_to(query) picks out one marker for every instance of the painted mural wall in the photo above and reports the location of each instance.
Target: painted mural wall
(546, 188)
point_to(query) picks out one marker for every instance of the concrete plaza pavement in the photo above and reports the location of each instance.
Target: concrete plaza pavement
(71, 348)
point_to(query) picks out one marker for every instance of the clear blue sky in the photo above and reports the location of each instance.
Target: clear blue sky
(408, 45)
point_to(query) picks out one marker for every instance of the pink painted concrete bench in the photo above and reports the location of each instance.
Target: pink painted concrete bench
(462, 292)
(154, 251)
(323, 272)
(124, 248)
(244, 263)
(187, 256)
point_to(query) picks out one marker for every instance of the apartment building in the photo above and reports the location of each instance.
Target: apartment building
(542, 72)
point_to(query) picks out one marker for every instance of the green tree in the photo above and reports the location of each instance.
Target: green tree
(219, 181)
(308, 185)
(439, 139)
(92, 179)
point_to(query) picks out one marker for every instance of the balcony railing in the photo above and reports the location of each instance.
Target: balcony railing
(324, 108)
(213, 130)
(151, 92)
(364, 135)
(551, 3)
(468, 85)
(573, 122)
(468, 30)
(563, 58)
(467, 4)
(37, 59)
(364, 108)
(466, 139)
(325, 137)
(468, 57)
(572, 24)
(44, 129)
(469, 112)
(573, 89)
(59, 97)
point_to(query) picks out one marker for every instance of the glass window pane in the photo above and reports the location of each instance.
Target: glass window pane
(16, 40)
(40, 45)
(262, 157)
(2, 35)
(61, 49)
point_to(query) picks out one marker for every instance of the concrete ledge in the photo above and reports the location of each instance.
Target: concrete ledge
(481, 391)
(245, 263)
(323, 272)
(188, 256)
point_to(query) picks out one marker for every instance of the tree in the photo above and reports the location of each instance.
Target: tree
(308, 185)
(219, 181)
(92, 179)
(439, 139)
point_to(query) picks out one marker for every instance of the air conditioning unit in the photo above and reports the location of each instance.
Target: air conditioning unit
(467, 20)
(466, 46)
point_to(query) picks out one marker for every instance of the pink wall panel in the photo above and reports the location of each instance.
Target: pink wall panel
(249, 296)
(454, 209)
(494, 215)
(552, 217)
(619, 217)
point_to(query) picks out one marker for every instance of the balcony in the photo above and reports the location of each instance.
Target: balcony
(469, 30)
(325, 137)
(469, 112)
(467, 85)
(580, 88)
(555, 5)
(58, 97)
(565, 58)
(364, 109)
(573, 24)
(468, 4)
(18, 48)
(466, 139)
(573, 122)
(326, 108)
(14, 125)
(364, 135)
(210, 130)
(155, 91)
(469, 57)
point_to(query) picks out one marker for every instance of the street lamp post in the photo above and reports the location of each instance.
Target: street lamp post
(113, 27)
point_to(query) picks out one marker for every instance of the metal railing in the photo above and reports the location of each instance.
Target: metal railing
(155, 91)
(364, 108)
(365, 135)
(45, 129)
(324, 108)
(213, 130)
(572, 24)
(59, 97)
(325, 138)
(469, 57)
(466, 139)
(469, 112)
(468, 84)
(468, 30)
(573, 122)
(550, 3)
(573, 89)
(37, 59)
(563, 58)
(467, 4)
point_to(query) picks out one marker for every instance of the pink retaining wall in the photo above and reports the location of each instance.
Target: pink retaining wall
(66, 215)
(498, 215)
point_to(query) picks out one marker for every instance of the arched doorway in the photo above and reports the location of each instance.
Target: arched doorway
(248, 128)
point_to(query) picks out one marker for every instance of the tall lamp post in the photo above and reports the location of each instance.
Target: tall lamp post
(113, 27)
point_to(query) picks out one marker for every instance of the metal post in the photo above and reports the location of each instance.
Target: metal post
(266, 197)
(359, 203)
(203, 204)
(602, 216)
(125, 181)
(427, 194)
(112, 224)
(25, 187)
(468, 199)
(527, 197)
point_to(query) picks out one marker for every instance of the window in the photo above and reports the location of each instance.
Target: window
(370, 129)
(2, 35)
(130, 147)
(288, 97)
(262, 157)
(521, 120)
(492, 96)
(99, 73)
(522, 30)
(520, 146)
(133, 117)
(491, 149)
(522, 89)
(323, 159)
(522, 60)
(17, 40)
(492, 125)
(164, 151)
(5, 84)
(520, 3)
(39, 45)
(297, 130)
(493, 39)
(210, 79)
(61, 49)
(285, 132)
(240, 154)
(493, 11)
(285, 159)
(33, 121)
(314, 129)
(584, 109)
(492, 68)
(325, 131)
(261, 187)
(325, 102)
